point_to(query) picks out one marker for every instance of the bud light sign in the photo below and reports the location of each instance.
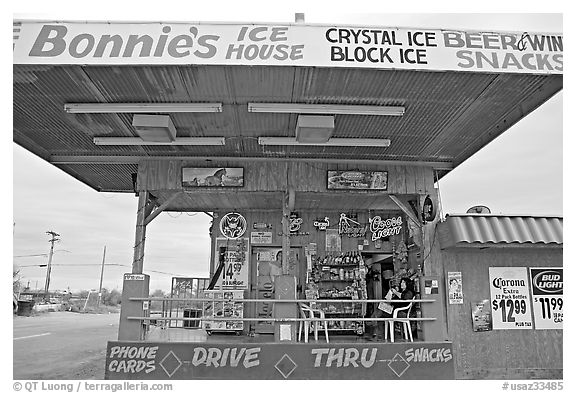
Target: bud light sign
(547, 296)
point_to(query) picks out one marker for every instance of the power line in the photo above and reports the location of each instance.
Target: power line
(39, 255)
(98, 264)
(31, 255)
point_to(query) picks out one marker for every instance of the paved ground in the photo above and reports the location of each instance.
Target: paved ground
(62, 345)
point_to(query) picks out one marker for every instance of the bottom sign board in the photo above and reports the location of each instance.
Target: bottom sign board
(224, 361)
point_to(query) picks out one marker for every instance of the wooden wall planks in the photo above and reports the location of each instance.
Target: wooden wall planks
(278, 176)
(274, 218)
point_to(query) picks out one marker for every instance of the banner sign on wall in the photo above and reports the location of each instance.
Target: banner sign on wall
(261, 237)
(108, 43)
(357, 180)
(510, 298)
(547, 296)
(333, 240)
(259, 361)
(455, 295)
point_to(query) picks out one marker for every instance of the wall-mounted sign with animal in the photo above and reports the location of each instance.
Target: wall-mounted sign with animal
(212, 177)
(233, 225)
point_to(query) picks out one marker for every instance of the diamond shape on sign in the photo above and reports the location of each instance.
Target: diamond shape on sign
(170, 363)
(285, 366)
(398, 365)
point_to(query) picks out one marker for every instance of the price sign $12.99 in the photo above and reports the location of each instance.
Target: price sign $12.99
(510, 308)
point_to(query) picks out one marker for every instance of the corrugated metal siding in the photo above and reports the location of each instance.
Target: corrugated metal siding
(489, 229)
(104, 177)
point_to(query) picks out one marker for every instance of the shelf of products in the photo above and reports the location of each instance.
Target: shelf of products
(347, 280)
(341, 276)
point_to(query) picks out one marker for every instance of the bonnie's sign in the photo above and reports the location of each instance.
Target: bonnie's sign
(286, 45)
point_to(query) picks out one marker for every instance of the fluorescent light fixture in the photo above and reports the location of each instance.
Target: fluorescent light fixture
(374, 110)
(144, 108)
(352, 142)
(185, 141)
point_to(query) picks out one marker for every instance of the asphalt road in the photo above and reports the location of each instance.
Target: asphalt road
(62, 345)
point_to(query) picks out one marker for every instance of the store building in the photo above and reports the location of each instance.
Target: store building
(316, 157)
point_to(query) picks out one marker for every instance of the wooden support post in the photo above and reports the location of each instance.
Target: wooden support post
(285, 233)
(138, 261)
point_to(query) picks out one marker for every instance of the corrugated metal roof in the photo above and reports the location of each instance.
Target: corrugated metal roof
(475, 229)
(449, 115)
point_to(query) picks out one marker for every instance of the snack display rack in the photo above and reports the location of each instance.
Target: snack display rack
(223, 306)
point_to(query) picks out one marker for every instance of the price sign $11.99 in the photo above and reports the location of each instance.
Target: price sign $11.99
(550, 308)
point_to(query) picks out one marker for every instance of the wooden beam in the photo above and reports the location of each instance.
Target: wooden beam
(407, 209)
(160, 209)
(150, 205)
(124, 159)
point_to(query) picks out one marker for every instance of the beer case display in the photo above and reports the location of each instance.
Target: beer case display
(223, 307)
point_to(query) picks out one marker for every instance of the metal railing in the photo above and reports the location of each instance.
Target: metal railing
(311, 302)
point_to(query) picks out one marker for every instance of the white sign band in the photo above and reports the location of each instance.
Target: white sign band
(288, 45)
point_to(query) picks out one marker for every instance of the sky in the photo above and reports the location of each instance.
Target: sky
(519, 172)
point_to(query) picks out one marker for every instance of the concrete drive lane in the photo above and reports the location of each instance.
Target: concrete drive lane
(62, 345)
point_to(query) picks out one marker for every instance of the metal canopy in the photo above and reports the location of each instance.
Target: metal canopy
(449, 115)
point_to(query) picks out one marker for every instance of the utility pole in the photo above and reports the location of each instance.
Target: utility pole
(101, 276)
(54, 239)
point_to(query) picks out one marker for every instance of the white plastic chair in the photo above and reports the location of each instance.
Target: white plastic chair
(303, 325)
(405, 324)
(312, 315)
